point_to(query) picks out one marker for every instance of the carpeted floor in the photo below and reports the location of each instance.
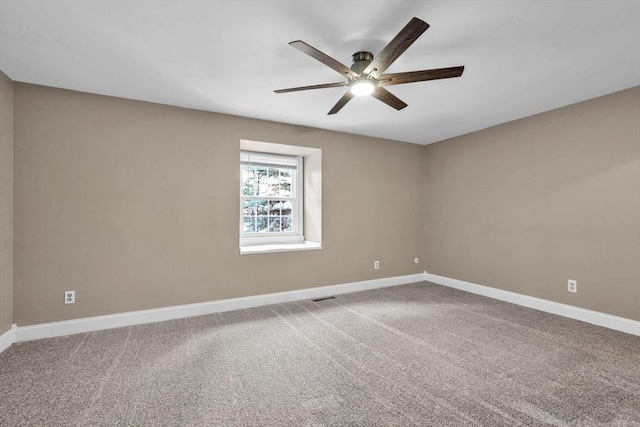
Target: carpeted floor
(418, 354)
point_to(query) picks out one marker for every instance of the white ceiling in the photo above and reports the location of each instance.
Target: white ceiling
(521, 57)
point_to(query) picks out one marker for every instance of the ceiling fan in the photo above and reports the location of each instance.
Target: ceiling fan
(365, 75)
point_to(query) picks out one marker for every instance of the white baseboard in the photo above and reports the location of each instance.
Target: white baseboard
(594, 317)
(8, 338)
(88, 324)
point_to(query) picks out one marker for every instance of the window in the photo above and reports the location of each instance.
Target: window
(273, 205)
(271, 198)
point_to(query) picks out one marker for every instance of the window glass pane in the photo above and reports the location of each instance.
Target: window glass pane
(262, 224)
(249, 184)
(275, 206)
(285, 180)
(286, 208)
(262, 207)
(274, 224)
(249, 207)
(249, 224)
(285, 189)
(285, 174)
(286, 223)
(273, 182)
(262, 186)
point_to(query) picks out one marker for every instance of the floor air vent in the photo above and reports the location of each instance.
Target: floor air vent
(322, 299)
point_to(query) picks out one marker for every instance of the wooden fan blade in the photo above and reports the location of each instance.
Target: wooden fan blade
(420, 76)
(388, 98)
(322, 86)
(341, 102)
(324, 58)
(396, 47)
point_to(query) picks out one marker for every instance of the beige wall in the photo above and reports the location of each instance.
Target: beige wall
(134, 206)
(6, 202)
(526, 205)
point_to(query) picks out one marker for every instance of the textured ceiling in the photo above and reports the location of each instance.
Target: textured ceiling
(521, 57)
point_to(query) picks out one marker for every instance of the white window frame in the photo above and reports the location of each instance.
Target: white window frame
(296, 163)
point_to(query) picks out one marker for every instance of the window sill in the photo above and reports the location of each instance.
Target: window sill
(289, 247)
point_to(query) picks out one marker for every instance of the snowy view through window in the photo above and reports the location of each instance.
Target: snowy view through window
(267, 199)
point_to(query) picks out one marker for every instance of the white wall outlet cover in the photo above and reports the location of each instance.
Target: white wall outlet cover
(572, 285)
(376, 265)
(69, 297)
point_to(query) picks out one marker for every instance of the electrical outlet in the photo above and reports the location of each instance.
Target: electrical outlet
(376, 265)
(69, 297)
(572, 285)
(416, 260)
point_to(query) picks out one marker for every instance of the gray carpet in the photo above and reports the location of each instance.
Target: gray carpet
(417, 354)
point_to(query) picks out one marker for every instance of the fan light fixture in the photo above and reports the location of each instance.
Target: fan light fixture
(362, 87)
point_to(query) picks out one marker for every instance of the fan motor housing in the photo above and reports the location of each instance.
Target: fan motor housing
(361, 60)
